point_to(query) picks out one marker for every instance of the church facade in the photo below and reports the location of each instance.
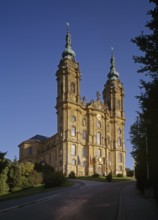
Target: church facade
(90, 136)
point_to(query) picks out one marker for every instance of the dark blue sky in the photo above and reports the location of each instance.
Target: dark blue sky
(32, 38)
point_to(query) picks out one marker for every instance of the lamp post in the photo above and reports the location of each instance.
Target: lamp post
(147, 159)
(43, 164)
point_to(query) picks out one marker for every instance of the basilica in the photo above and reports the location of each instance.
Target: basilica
(90, 135)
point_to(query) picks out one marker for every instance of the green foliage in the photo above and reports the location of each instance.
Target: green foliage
(14, 175)
(119, 175)
(15, 189)
(4, 188)
(35, 178)
(109, 177)
(46, 170)
(148, 44)
(144, 132)
(129, 172)
(72, 175)
(22, 175)
(57, 179)
(95, 175)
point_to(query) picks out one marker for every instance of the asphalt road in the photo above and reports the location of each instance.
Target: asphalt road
(84, 201)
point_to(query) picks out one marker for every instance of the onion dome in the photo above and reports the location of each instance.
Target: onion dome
(68, 52)
(113, 74)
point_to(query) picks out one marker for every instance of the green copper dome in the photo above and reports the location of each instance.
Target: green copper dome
(113, 74)
(68, 52)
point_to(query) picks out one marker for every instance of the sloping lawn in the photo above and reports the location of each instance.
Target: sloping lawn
(103, 178)
(32, 191)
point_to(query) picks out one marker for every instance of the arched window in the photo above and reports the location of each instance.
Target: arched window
(84, 152)
(98, 138)
(73, 149)
(99, 153)
(84, 163)
(119, 141)
(120, 158)
(73, 131)
(72, 88)
(73, 162)
(84, 134)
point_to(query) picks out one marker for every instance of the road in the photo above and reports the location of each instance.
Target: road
(85, 201)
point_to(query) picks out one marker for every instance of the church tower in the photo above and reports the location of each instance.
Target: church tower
(68, 98)
(113, 96)
(90, 135)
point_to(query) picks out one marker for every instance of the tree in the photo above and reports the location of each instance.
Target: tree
(4, 166)
(145, 146)
(148, 44)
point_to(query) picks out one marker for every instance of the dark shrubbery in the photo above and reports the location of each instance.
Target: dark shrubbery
(119, 175)
(129, 172)
(72, 175)
(57, 179)
(109, 177)
(95, 175)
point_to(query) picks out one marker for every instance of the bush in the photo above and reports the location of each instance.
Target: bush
(119, 175)
(15, 189)
(129, 172)
(4, 188)
(35, 178)
(95, 175)
(72, 175)
(57, 179)
(109, 177)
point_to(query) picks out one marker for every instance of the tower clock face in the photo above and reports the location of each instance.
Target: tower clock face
(98, 117)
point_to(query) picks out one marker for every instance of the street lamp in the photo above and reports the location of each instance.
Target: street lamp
(147, 155)
(43, 164)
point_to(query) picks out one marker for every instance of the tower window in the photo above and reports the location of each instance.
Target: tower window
(72, 88)
(84, 163)
(99, 153)
(30, 150)
(98, 138)
(120, 158)
(73, 149)
(84, 135)
(84, 152)
(73, 161)
(73, 131)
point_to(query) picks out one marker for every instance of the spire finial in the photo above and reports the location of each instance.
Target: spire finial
(113, 74)
(68, 52)
(68, 27)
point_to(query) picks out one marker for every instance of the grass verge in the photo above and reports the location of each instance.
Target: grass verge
(103, 178)
(32, 191)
